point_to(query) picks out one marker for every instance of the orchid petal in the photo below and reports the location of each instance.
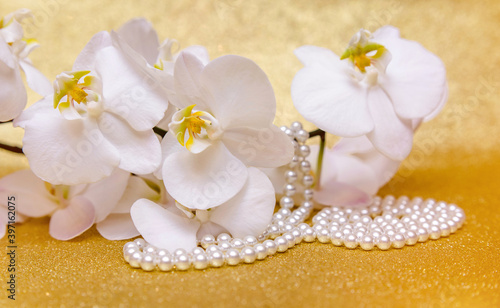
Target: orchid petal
(35, 79)
(200, 52)
(214, 176)
(440, 106)
(163, 228)
(415, 79)
(105, 194)
(187, 85)
(139, 34)
(86, 59)
(73, 220)
(265, 147)
(13, 95)
(210, 228)
(32, 198)
(341, 194)
(392, 136)
(117, 227)
(136, 189)
(169, 145)
(129, 90)
(251, 210)
(66, 152)
(326, 94)
(140, 151)
(236, 83)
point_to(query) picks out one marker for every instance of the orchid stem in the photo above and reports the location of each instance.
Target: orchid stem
(159, 131)
(319, 166)
(9, 121)
(11, 148)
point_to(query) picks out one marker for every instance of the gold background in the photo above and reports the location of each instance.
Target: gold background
(455, 159)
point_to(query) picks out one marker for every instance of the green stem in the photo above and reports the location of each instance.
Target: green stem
(159, 131)
(319, 166)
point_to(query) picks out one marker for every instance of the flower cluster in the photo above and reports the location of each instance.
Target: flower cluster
(141, 139)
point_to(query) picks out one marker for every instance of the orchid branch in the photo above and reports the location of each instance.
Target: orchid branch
(322, 135)
(11, 148)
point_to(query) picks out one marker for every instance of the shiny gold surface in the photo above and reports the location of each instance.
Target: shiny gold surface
(456, 159)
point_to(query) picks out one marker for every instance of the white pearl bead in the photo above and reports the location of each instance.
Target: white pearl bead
(207, 240)
(148, 262)
(182, 262)
(224, 246)
(289, 190)
(308, 194)
(249, 254)
(250, 240)
(237, 243)
(281, 243)
(445, 229)
(305, 166)
(366, 242)
(179, 251)
(294, 162)
(212, 248)
(165, 263)
(423, 235)
(141, 243)
(298, 236)
(261, 251)
(271, 247)
(398, 240)
(129, 252)
(304, 150)
(286, 202)
(296, 126)
(162, 252)
(434, 232)
(149, 249)
(302, 136)
(308, 180)
(309, 235)
(223, 237)
(197, 251)
(337, 238)
(290, 239)
(351, 241)
(233, 257)
(307, 204)
(289, 133)
(384, 242)
(216, 259)
(200, 261)
(135, 259)
(290, 176)
(411, 238)
(130, 245)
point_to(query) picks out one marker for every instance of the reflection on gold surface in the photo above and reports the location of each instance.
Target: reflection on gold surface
(455, 159)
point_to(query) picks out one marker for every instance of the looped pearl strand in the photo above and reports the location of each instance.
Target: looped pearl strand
(386, 222)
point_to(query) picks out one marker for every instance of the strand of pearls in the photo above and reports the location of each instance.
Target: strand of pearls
(385, 223)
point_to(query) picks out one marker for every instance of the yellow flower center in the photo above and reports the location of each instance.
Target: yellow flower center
(194, 129)
(363, 56)
(76, 87)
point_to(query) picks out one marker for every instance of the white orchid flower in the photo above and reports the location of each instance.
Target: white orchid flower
(142, 38)
(118, 225)
(99, 118)
(352, 173)
(169, 225)
(224, 125)
(377, 88)
(14, 52)
(73, 209)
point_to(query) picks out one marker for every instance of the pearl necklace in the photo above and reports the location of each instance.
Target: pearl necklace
(385, 223)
